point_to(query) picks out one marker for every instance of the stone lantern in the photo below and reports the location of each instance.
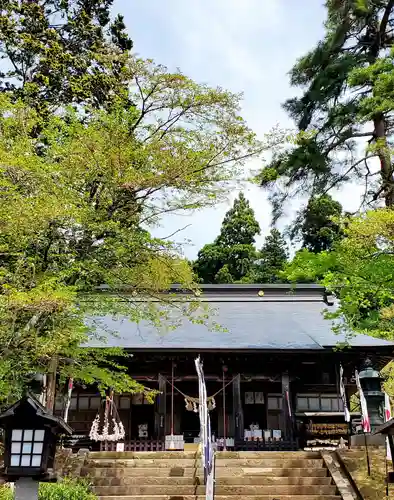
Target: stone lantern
(30, 437)
(371, 381)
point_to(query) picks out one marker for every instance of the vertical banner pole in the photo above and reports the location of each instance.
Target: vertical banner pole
(387, 469)
(224, 412)
(365, 418)
(387, 417)
(172, 400)
(208, 457)
(367, 453)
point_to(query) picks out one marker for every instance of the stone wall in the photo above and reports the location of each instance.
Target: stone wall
(68, 463)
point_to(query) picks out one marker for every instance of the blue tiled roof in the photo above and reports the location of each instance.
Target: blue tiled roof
(277, 320)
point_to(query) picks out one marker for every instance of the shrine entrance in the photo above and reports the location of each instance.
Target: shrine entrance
(186, 418)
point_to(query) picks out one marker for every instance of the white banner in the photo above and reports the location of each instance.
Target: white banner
(363, 402)
(205, 431)
(342, 391)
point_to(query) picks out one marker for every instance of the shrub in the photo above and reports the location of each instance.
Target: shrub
(67, 489)
(6, 493)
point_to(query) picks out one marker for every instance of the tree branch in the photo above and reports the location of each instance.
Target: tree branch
(347, 173)
(175, 232)
(352, 136)
(385, 20)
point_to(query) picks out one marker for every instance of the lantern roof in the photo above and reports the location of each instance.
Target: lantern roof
(387, 428)
(29, 405)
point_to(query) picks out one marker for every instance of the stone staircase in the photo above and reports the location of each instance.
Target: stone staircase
(145, 475)
(239, 475)
(273, 476)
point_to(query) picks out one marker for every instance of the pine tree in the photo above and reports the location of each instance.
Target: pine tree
(239, 226)
(316, 225)
(233, 249)
(63, 52)
(347, 82)
(272, 259)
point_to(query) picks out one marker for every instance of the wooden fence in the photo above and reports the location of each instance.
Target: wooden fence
(136, 445)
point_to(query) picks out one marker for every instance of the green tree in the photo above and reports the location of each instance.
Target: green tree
(347, 82)
(309, 267)
(210, 260)
(72, 204)
(359, 270)
(272, 259)
(223, 275)
(62, 52)
(231, 255)
(363, 277)
(239, 226)
(317, 225)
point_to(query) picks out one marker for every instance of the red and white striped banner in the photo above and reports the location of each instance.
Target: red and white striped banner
(363, 402)
(387, 417)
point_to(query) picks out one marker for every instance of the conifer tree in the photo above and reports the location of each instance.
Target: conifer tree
(63, 52)
(272, 259)
(347, 82)
(239, 226)
(231, 256)
(317, 225)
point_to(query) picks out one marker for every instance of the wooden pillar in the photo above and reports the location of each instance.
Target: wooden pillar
(286, 402)
(160, 414)
(237, 408)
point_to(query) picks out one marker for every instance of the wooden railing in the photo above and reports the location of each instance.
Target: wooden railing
(136, 445)
(285, 445)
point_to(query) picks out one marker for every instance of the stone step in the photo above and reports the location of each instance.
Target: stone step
(174, 482)
(143, 454)
(272, 490)
(140, 472)
(277, 496)
(220, 497)
(135, 491)
(270, 472)
(199, 480)
(235, 472)
(143, 462)
(241, 490)
(278, 480)
(269, 462)
(225, 462)
(300, 455)
(193, 454)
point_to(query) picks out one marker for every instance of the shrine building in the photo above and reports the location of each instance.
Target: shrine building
(272, 369)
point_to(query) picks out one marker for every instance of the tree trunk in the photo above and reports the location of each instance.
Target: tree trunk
(51, 384)
(386, 169)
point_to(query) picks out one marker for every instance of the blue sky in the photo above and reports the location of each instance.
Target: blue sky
(243, 45)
